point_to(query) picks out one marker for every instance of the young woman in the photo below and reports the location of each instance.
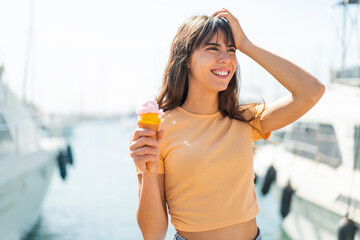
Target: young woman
(202, 168)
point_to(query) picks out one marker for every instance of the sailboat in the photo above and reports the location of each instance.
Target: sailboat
(317, 165)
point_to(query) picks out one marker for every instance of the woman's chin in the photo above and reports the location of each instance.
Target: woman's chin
(221, 88)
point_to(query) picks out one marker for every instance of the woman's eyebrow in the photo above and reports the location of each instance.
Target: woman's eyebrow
(212, 44)
(217, 45)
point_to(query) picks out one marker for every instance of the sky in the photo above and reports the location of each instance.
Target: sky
(105, 57)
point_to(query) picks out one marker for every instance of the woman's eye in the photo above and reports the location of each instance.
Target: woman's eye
(232, 50)
(213, 48)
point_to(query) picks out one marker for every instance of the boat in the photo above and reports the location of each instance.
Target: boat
(316, 162)
(27, 163)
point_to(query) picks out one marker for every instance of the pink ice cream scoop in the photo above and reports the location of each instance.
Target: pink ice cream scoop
(149, 106)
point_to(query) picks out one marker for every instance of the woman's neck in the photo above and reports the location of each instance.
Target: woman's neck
(201, 103)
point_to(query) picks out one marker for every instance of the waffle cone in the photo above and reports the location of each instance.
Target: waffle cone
(153, 128)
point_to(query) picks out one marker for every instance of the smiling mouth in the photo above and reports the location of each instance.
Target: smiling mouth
(220, 73)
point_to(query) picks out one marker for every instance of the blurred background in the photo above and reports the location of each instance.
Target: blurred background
(73, 72)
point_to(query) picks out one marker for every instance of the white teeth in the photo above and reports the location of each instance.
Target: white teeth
(221, 73)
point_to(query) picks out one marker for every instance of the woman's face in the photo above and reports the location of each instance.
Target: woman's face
(212, 65)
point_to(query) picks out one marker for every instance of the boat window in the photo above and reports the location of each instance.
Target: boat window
(329, 152)
(302, 140)
(4, 130)
(357, 147)
(316, 142)
(305, 132)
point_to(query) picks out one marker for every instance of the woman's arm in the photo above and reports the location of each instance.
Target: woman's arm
(305, 89)
(151, 214)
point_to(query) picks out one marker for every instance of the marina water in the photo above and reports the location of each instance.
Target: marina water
(99, 198)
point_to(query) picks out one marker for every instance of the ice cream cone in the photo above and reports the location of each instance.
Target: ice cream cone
(148, 117)
(153, 128)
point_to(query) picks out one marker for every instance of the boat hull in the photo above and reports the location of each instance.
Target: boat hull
(307, 220)
(23, 191)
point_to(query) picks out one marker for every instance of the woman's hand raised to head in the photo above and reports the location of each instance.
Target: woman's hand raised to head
(239, 35)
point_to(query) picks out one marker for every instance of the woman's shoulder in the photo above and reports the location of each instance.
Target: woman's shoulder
(251, 110)
(168, 116)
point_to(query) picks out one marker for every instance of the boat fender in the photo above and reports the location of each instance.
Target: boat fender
(62, 165)
(269, 178)
(286, 200)
(69, 155)
(347, 229)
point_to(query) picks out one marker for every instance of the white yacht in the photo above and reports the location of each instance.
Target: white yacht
(318, 164)
(27, 162)
(320, 158)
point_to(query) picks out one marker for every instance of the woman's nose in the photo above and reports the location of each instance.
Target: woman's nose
(224, 57)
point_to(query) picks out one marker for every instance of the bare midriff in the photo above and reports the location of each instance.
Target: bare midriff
(242, 231)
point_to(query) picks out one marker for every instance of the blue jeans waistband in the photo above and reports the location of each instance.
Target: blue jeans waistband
(178, 237)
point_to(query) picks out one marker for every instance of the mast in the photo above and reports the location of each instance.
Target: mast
(348, 75)
(3, 98)
(343, 43)
(28, 50)
(354, 26)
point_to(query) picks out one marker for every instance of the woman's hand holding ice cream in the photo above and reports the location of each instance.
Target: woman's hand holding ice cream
(145, 149)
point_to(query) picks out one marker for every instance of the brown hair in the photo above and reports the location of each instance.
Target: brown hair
(191, 35)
